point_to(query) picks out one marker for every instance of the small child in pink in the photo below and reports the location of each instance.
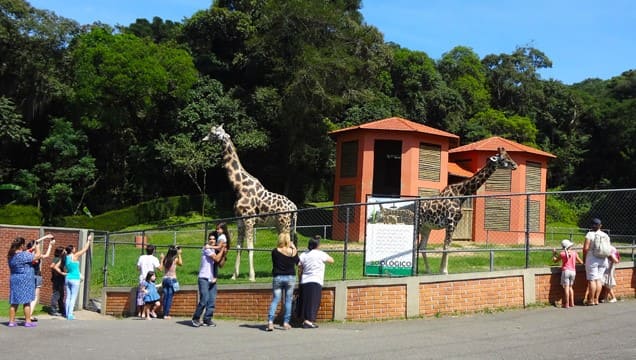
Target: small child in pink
(569, 259)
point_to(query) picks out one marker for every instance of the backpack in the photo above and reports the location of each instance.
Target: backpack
(601, 245)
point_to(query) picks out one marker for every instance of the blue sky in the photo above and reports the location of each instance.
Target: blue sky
(584, 38)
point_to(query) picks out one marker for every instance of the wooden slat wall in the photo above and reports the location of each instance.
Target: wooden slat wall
(497, 215)
(347, 194)
(349, 159)
(533, 177)
(535, 211)
(427, 192)
(430, 162)
(501, 180)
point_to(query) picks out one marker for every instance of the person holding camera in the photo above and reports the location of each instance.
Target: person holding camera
(22, 278)
(71, 262)
(208, 268)
(284, 260)
(170, 263)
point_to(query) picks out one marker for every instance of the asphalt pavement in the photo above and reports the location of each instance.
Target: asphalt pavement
(583, 332)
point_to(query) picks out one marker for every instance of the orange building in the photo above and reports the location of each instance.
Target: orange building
(390, 157)
(501, 220)
(396, 157)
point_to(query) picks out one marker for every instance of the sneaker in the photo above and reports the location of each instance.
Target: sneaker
(309, 325)
(33, 318)
(30, 324)
(56, 313)
(613, 300)
(196, 323)
(12, 324)
(209, 323)
(70, 317)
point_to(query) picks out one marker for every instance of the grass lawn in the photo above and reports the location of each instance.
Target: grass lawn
(122, 257)
(4, 310)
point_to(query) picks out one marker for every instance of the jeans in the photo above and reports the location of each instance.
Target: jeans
(280, 283)
(57, 296)
(168, 294)
(72, 290)
(207, 300)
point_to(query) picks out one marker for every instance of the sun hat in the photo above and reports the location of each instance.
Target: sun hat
(566, 243)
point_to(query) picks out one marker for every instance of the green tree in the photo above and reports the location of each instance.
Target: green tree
(67, 172)
(495, 123)
(127, 94)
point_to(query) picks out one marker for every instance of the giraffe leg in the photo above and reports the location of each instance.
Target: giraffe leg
(249, 236)
(424, 234)
(239, 246)
(443, 267)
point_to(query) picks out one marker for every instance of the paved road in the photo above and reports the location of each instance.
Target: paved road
(600, 332)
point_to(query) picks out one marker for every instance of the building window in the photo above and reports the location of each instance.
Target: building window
(349, 159)
(346, 195)
(535, 211)
(533, 177)
(500, 181)
(497, 215)
(430, 162)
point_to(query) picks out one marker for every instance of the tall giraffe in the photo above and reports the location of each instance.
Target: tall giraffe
(445, 212)
(252, 199)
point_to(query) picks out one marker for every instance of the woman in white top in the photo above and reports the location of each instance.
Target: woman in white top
(312, 276)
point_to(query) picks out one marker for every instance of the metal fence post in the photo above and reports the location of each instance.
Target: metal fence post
(527, 231)
(346, 245)
(105, 269)
(492, 260)
(416, 234)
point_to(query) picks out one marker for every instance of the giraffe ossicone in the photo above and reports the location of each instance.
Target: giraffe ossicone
(253, 201)
(445, 211)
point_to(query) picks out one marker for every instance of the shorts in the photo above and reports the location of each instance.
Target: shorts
(595, 268)
(567, 277)
(38, 281)
(151, 302)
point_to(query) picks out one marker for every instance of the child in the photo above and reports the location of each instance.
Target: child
(609, 279)
(151, 296)
(569, 259)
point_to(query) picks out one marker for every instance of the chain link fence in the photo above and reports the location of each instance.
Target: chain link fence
(496, 232)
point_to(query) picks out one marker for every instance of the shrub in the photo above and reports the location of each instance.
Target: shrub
(143, 213)
(20, 215)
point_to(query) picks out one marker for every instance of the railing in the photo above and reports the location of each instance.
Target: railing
(534, 224)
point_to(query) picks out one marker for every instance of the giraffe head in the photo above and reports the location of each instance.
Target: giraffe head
(503, 160)
(216, 132)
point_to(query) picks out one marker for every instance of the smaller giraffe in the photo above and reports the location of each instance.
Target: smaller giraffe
(446, 211)
(253, 201)
(395, 216)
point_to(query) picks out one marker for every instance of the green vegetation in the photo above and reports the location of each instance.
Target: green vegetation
(4, 310)
(104, 118)
(20, 215)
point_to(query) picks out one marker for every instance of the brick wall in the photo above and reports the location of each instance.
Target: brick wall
(63, 237)
(470, 295)
(376, 302)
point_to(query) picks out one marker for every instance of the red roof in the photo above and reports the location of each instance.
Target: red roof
(456, 170)
(397, 124)
(491, 144)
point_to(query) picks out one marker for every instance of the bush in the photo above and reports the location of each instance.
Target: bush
(20, 215)
(143, 213)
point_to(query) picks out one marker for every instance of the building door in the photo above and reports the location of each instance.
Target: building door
(387, 168)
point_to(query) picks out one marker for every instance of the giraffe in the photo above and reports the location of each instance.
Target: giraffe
(252, 200)
(445, 212)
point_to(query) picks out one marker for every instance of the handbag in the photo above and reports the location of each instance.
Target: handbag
(175, 285)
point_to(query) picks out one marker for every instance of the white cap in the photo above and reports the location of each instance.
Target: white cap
(566, 243)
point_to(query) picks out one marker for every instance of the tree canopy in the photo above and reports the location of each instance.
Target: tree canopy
(102, 117)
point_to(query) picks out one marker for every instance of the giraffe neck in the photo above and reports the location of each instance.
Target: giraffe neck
(231, 162)
(470, 186)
